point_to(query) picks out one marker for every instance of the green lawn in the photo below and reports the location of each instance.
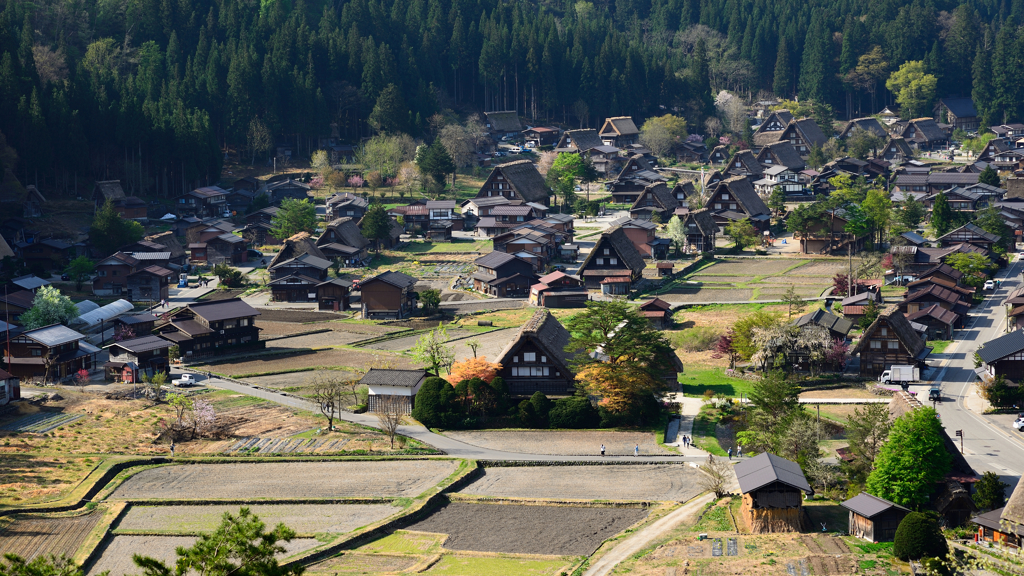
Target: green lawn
(695, 380)
(484, 245)
(704, 436)
(403, 542)
(939, 346)
(458, 565)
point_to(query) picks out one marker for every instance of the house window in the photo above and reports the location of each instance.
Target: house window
(600, 261)
(718, 206)
(543, 358)
(876, 345)
(894, 345)
(613, 261)
(515, 359)
(37, 352)
(732, 206)
(885, 331)
(529, 356)
(606, 252)
(725, 196)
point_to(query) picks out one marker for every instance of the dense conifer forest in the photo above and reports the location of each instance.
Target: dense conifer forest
(156, 91)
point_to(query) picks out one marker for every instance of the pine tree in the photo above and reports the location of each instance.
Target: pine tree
(982, 86)
(989, 176)
(782, 83)
(816, 61)
(390, 115)
(942, 215)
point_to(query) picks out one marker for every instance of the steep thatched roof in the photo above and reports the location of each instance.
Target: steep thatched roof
(702, 218)
(783, 154)
(745, 195)
(167, 240)
(900, 326)
(869, 124)
(506, 121)
(346, 232)
(524, 178)
(544, 331)
(583, 139)
(616, 239)
(296, 246)
(1014, 510)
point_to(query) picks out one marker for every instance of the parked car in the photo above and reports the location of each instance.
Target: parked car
(255, 253)
(185, 380)
(65, 277)
(1019, 423)
(935, 395)
(990, 285)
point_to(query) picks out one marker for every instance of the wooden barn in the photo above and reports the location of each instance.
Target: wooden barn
(773, 490)
(872, 518)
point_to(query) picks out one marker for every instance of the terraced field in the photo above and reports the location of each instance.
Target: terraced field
(303, 518)
(30, 537)
(116, 556)
(40, 422)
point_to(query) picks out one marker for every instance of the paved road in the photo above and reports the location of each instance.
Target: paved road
(989, 445)
(447, 445)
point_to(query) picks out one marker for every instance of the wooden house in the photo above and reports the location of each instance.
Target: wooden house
(943, 272)
(658, 313)
(838, 327)
(635, 177)
(897, 150)
(958, 113)
(655, 200)
(213, 328)
(45, 255)
(15, 303)
(924, 134)
(869, 124)
(972, 234)
(1010, 132)
(940, 321)
(112, 274)
(518, 180)
(701, 231)
(503, 275)
(804, 135)
(619, 132)
(773, 490)
(333, 294)
(735, 199)
(994, 530)
(1004, 356)
(52, 353)
(342, 240)
(642, 233)
(769, 131)
(958, 199)
(206, 202)
(781, 154)
(400, 384)
(239, 201)
(719, 155)
(500, 219)
(149, 284)
(346, 205)
(579, 141)
(10, 388)
(872, 518)
(138, 324)
(889, 340)
(779, 177)
(559, 290)
(388, 295)
(744, 163)
(613, 256)
(226, 248)
(535, 359)
(131, 359)
(502, 124)
(286, 188)
(541, 136)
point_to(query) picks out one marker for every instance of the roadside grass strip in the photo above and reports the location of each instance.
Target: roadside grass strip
(41, 422)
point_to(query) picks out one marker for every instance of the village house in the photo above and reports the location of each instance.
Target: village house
(779, 177)
(828, 235)
(872, 518)
(342, 240)
(772, 493)
(131, 359)
(1004, 356)
(559, 290)
(897, 150)
(518, 180)
(239, 200)
(958, 199)
(536, 247)
(636, 175)
(919, 185)
(1009, 132)
(346, 204)
(112, 274)
(969, 233)
(719, 155)
(889, 340)
(744, 163)
(204, 329)
(804, 135)
(619, 132)
(149, 284)
(578, 141)
(1004, 526)
(388, 295)
(769, 131)
(541, 136)
(924, 134)
(45, 255)
(136, 324)
(642, 234)
(535, 359)
(503, 275)
(869, 124)
(287, 188)
(781, 154)
(15, 303)
(206, 202)
(393, 238)
(333, 294)
(735, 199)
(655, 201)
(10, 388)
(224, 248)
(385, 383)
(613, 256)
(838, 327)
(658, 313)
(52, 353)
(502, 125)
(940, 321)
(958, 113)
(701, 230)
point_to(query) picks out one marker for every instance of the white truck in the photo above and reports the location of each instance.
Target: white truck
(902, 374)
(185, 380)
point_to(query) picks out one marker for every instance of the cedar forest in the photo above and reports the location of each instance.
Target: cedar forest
(157, 91)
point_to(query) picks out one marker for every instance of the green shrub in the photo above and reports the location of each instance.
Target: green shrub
(534, 412)
(574, 412)
(918, 536)
(698, 339)
(436, 405)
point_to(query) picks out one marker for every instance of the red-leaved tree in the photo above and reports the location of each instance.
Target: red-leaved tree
(473, 368)
(724, 348)
(836, 355)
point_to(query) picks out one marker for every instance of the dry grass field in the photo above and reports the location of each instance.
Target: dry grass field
(660, 482)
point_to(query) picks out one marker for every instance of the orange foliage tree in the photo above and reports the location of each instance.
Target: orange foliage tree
(474, 368)
(618, 385)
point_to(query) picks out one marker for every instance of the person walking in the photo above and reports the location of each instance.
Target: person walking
(730, 452)
(172, 448)
(739, 451)
(602, 449)
(636, 450)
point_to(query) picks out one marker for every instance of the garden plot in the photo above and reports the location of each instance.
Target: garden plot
(467, 565)
(562, 442)
(116, 556)
(40, 422)
(750, 267)
(396, 478)
(353, 563)
(407, 342)
(661, 482)
(271, 364)
(32, 537)
(303, 518)
(515, 529)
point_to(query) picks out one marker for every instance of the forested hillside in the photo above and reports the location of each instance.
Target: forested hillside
(156, 91)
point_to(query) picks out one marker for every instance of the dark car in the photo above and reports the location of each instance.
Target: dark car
(65, 277)
(255, 253)
(935, 394)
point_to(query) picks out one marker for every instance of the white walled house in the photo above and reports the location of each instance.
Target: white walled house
(401, 383)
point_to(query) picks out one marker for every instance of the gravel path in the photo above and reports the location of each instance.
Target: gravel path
(286, 480)
(117, 555)
(660, 482)
(303, 518)
(513, 529)
(562, 442)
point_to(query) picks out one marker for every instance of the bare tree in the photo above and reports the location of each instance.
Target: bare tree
(390, 410)
(329, 393)
(716, 473)
(473, 345)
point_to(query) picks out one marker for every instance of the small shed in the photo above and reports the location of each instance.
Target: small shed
(992, 528)
(401, 383)
(874, 519)
(658, 313)
(664, 268)
(333, 294)
(615, 286)
(773, 490)
(10, 388)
